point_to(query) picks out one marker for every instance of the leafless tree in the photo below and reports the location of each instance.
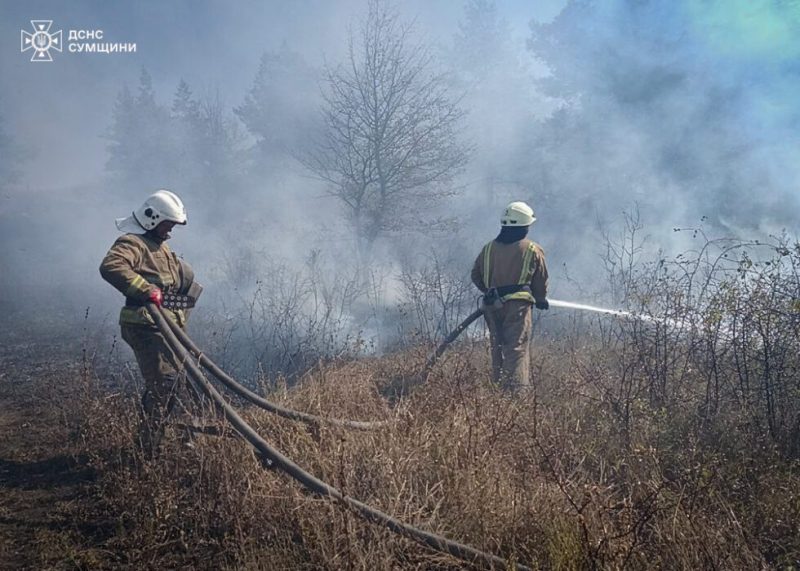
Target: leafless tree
(388, 147)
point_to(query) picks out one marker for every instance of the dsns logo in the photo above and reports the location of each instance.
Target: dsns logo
(41, 41)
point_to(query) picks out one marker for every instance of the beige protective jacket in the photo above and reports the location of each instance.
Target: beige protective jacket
(518, 263)
(134, 265)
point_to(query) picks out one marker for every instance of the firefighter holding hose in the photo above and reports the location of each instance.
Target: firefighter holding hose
(143, 268)
(512, 274)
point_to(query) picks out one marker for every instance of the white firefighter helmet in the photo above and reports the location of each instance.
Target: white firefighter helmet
(517, 214)
(159, 206)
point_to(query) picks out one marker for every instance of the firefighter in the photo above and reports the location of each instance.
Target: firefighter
(142, 267)
(511, 273)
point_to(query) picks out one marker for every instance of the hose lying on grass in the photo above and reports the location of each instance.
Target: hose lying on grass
(258, 400)
(277, 460)
(290, 414)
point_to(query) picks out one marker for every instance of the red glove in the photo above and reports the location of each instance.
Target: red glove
(156, 296)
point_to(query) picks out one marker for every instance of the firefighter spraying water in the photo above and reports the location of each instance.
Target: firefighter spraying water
(511, 273)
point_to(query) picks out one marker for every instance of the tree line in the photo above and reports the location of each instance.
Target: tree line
(602, 107)
(384, 130)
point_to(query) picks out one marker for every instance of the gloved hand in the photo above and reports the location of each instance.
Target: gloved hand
(544, 304)
(156, 296)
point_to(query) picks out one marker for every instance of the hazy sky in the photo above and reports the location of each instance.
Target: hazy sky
(61, 109)
(689, 107)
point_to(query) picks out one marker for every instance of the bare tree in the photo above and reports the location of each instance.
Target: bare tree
(388, 147)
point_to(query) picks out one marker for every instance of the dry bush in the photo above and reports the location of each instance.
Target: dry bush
(435, 297)
(550, 479)
(661, 443)
(284, 319)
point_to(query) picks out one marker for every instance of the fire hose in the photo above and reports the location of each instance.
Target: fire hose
(554, 303)
(291, 414)
(452, 337)
(310, 482)
(258, 400)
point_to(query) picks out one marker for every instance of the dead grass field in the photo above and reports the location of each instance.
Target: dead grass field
(556, 477)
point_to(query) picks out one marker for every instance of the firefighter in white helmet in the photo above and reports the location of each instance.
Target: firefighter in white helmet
(512, 274)
(143, 268)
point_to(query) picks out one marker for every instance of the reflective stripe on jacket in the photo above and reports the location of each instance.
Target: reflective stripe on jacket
(134, 265)
(518, 263)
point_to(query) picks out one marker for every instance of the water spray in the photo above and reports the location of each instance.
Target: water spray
(594, 308)
(614, 312)
(553, 303)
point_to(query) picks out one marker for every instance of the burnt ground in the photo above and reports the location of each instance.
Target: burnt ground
(46, 520)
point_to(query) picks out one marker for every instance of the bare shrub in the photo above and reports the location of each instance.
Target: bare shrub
(436, 296)
(287, 320)
(668, 441)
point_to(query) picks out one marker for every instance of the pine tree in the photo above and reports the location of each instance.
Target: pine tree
(184, 106)
(501, 97)
(142, 143)
(280, 107)
(481, 44)
(121, 132)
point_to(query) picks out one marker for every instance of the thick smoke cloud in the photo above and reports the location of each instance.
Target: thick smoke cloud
(585, 109)
(688, 108)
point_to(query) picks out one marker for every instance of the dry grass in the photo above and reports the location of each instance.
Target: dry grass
(640, 446)
(552, 477)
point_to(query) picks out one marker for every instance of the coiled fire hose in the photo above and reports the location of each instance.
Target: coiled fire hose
(258, 400)
(307, 480)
